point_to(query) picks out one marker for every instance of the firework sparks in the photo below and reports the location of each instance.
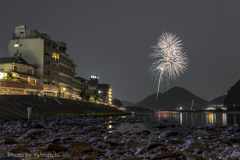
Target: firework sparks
(172, 60)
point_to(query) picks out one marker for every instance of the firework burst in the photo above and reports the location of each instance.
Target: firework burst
(172, 60)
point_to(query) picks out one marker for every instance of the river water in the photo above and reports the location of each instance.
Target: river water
(183, 121)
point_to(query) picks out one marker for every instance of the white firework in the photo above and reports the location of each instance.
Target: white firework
(172, 62)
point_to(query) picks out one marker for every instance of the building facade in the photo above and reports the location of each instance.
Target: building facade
(51, 68)
(56, 70)
(106, 91)
(18, 77)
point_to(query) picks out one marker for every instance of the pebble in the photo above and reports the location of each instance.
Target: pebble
(89, 138)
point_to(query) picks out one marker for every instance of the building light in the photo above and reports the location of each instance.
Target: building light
(2, 75)
(15, 45)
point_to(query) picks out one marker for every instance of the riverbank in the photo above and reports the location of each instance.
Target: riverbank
(95, 138)
(97, 114)
(15, 107)
(203, 111)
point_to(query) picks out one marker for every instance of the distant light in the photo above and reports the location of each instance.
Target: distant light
(181, 108)
(15, 45)
(99, 91)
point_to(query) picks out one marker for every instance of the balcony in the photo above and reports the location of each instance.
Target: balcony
(46, 57)
(46, 76)
(47, 49)
(55, 60)
(55, 50)
(55, 69)
(55, 78)
(46, 67)
(46, 86)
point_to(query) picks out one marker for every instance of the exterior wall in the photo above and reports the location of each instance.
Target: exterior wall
(7, 67)
(32, 51)
(14, 85)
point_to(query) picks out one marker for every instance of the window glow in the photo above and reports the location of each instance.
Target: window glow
(15, 45)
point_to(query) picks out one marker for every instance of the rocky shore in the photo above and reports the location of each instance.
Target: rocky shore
(90, 138)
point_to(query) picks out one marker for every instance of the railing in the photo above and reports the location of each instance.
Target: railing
(19, 82)
(46, 67)
(54, 77)
(55, 69)
(55, 50)
(46, 86)
(46, 76)
(46, 57)
(55, 60)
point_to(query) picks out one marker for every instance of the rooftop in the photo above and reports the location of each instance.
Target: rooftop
(16, 59)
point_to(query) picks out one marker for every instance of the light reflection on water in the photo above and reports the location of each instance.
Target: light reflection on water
(194, 117)
(183, 121)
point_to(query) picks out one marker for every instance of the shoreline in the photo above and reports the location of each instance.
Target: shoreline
(98, 140)
(88, 115)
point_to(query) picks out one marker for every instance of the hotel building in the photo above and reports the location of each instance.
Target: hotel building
(56, 70)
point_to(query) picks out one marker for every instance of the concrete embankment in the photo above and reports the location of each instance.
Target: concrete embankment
(15, 106)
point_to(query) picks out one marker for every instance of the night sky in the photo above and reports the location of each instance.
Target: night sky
(114, 38)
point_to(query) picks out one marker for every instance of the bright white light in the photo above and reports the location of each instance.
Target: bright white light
(15, 45)
(180, 107)
(2, 75)
(99, 91)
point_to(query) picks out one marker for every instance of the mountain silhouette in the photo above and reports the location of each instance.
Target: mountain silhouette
(218, 100)
(175, 97)
(151, 98)
(127, 103)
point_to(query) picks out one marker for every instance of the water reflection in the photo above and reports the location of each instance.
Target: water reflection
(196, 118)
(181, 118)
(224, 118)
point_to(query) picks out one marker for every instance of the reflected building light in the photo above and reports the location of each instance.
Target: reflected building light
(193, 124)
(206, 115)
(181, 118)
(224, 118)
(215, 118)
(211, 119)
